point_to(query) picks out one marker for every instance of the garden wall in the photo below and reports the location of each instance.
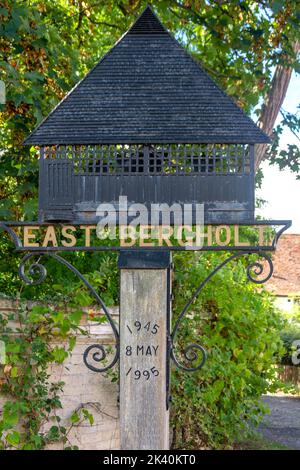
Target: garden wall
(289, 374)
(84, 388)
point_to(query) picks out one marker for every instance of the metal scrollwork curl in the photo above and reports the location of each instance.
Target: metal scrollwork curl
(38, 274)
(258, 268)
(95, 354)
(36, 270)
(191, 354)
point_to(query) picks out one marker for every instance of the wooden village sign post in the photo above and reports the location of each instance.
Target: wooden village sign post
(147, 123)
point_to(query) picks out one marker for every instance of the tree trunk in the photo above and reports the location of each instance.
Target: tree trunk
(273, 102)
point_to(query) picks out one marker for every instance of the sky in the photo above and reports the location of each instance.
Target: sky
(280, 189)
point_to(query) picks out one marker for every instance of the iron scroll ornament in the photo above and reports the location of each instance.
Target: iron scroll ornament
(96, 352)
(192, 351)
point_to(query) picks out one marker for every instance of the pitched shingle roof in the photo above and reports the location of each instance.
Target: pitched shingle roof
(147, 89)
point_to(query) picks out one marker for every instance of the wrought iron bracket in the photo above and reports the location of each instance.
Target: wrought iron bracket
(193, 351)
(97, 353)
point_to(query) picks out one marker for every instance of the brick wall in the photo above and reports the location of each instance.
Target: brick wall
(84, 388)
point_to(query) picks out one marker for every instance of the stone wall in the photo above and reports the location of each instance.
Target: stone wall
(84, 388)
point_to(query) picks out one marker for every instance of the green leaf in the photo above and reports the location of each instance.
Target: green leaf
(76, 316)
(82, 299)
(59, 354)
(14, 372)
(10, 418)
(13, 438)
(54, 434)
(4, 12)
(72, 343)
(75, 418)
(88, 416)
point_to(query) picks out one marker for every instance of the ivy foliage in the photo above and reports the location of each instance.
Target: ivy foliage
(34, 339)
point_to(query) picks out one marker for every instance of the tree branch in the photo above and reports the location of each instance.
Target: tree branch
(273, 102)
(103, 23)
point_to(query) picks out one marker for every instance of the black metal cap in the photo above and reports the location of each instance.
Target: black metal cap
(144, 259)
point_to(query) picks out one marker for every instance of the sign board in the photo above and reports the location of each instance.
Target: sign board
(261, 235)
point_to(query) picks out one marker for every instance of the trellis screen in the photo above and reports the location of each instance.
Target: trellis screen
(154, 160)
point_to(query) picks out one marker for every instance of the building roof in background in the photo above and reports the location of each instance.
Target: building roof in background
(146, 89)
(286, 259)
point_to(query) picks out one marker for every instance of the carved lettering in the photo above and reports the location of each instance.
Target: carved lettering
(142, 350)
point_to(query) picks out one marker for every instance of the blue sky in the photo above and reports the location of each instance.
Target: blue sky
(280, 189)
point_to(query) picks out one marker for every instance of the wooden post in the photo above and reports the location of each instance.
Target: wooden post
(144, 319)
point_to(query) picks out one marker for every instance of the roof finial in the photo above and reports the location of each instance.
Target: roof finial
(147, 23)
